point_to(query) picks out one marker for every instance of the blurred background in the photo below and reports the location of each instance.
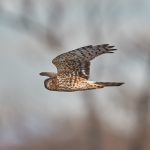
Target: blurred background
(32, 33)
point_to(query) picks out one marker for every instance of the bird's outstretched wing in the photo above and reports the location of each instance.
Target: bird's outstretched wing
(78, 61)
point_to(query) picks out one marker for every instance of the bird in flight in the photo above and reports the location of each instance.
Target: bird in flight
(73, 70)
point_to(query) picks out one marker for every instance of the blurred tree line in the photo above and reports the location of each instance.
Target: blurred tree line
(58, 23)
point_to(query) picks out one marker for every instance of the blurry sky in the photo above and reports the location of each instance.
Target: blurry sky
(25, 52)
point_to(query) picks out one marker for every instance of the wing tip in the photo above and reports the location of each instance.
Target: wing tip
(42, 74)
(108, 47)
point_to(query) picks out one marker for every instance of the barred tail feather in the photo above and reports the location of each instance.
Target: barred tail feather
(104, 84)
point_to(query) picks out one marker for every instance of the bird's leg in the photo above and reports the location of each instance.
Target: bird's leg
(49, 74)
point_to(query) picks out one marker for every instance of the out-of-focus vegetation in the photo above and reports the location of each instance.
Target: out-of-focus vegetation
(32, 33)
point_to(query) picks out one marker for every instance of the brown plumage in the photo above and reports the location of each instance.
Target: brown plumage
(73, 69)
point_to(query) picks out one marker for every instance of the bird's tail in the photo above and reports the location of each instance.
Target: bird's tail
(105, 84)
(90, 85)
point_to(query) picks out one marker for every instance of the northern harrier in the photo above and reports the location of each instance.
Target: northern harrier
(73, 69)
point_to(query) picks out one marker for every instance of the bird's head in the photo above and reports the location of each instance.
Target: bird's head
(48, 83)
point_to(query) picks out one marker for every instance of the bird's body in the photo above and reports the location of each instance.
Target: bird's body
(73, 70)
